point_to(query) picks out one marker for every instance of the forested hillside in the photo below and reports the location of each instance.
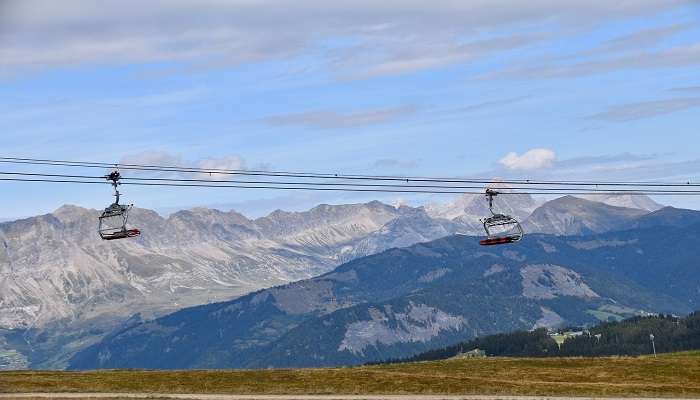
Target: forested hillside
(628, 337)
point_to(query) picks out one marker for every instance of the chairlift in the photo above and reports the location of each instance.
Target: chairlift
(113, 221)
(500, 228)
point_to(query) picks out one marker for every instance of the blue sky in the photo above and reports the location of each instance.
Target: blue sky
(535, 89)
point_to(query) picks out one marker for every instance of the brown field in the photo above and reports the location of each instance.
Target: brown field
(676, 375)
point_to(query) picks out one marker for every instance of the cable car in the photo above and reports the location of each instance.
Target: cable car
(113, 220)
(500, 228)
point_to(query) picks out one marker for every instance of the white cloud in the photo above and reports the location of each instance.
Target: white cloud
(164, 158)
(530, 160)
(486, 105)
(644, 37)
(153, 157)
(602, 161)
(676, 57)
(326, 119)
(225, 163)
(645, 109)
(393, 36)
(393, 163)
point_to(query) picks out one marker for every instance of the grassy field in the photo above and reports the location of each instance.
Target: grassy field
(676, 375)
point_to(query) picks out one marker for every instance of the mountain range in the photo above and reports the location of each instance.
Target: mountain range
(57, 276)
(401, 302)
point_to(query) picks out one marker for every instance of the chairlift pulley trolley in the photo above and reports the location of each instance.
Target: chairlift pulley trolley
(113, 220)
(500, 228)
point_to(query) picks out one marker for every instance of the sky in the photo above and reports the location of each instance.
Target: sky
(537, 89)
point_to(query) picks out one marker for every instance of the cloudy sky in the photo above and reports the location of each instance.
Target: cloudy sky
(575, 89)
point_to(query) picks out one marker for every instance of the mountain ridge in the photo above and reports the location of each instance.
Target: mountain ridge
(56, 276)
(225, 248)
(402, 301)
(569, 215)
(287, 246)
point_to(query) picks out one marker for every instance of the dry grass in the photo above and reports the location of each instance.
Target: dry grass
(675, 375)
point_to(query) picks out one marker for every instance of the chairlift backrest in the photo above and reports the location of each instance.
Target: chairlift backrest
(112, 221)
(502, 225)
(500, 228)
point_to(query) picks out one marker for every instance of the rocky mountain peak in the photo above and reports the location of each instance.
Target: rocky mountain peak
(469, 208)
(71, 213)
(571, 215)
(211, 216)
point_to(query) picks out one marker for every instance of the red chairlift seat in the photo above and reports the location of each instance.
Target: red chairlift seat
(497, 240)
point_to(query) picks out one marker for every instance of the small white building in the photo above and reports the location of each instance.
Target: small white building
(476, 353)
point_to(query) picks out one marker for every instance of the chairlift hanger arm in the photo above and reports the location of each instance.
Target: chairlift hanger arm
(490, 194)
(114, 177)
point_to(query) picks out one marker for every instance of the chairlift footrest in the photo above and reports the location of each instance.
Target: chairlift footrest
(497, 240)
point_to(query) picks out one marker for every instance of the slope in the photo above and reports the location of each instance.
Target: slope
(402, 301)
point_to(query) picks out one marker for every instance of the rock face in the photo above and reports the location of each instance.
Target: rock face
(417, 323)
(54, 267)
(541, 281)
(404, 301)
